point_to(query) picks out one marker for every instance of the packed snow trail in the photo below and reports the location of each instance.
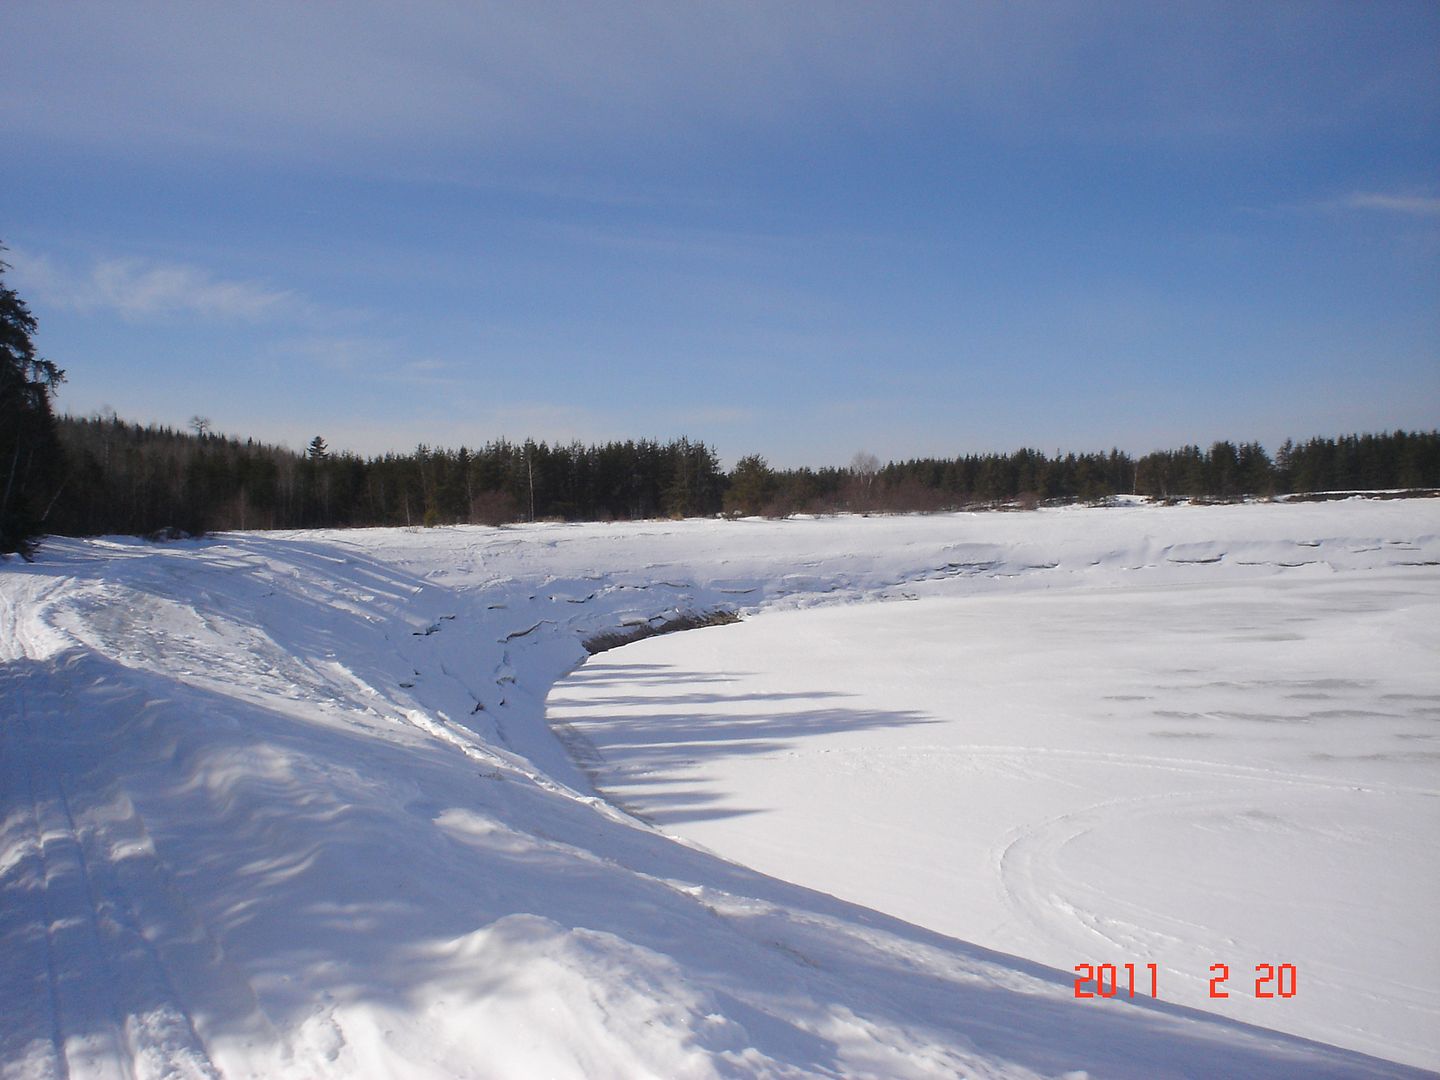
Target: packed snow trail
(286, 805)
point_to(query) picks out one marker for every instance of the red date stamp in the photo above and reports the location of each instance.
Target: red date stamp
(1130, 980)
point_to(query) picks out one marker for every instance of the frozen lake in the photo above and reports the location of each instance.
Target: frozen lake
(1239, 772)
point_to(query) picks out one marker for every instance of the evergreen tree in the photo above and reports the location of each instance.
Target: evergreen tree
(752, 485)
(1224, 470)
(30, 455)
(1257, 476)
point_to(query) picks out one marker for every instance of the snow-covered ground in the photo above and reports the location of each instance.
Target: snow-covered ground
(288, 805)
(1183, 775)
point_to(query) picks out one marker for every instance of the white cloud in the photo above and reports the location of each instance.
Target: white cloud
(346, 355)
(368, 358)
(1407, 203)
(719, 416)
(1418, 205)
(141, 291)
(425, 367)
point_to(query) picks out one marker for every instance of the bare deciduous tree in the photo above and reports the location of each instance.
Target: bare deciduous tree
(863, 467)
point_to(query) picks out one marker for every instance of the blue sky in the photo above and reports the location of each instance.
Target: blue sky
(793, 229)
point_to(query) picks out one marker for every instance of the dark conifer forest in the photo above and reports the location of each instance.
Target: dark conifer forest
(123, 478)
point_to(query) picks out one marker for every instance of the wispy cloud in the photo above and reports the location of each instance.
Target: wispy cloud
(140, 290)
(347, 355)
(719, 416)
(1405, 203)
(372, 359)
(1416, 205)
(424, 367)
(370, 73)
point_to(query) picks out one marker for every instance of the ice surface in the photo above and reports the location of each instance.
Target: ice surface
(287, 805)
(1183, 775)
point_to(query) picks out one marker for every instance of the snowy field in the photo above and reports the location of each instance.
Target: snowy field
(288, 804)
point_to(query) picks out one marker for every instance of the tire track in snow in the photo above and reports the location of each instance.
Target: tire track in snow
(157, 1030)
(32, 1043)
(125, 959)
(1096, 923)
(87, 1028)
(1028, 854)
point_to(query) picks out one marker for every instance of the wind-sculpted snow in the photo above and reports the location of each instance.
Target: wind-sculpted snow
(287, 805)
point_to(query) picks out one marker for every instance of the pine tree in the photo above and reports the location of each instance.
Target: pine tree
(752, 485)
(30, 454)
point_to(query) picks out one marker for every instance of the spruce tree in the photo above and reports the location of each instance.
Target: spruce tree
(30, 455)
(752, 485)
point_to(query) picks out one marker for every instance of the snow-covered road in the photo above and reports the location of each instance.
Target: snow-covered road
(287, 805)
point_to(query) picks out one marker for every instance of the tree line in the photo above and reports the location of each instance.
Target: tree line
(1027, 477)
(125, 478)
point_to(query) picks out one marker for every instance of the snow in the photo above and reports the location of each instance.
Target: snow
(288, 805)
(1184, 775)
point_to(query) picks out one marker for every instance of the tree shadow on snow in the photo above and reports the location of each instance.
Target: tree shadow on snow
(634, 746)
